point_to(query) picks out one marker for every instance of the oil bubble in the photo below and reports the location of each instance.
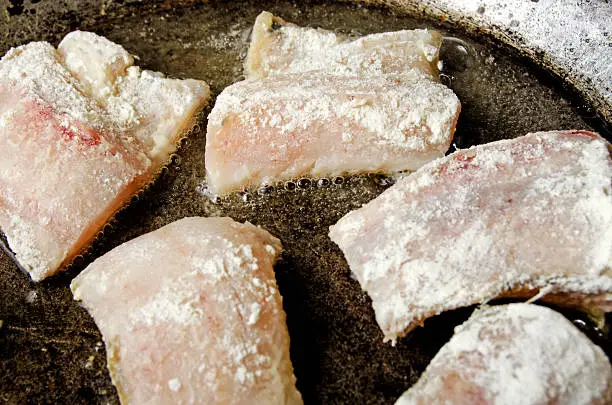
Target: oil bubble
(580, 323)
(78, 261)
(456, 55)
(303, 183)
(338, 180)
(323, 182)
(265, 189)
(382, 180)
(176, 159)
(290, 186)
(446, 80)
(589, 328)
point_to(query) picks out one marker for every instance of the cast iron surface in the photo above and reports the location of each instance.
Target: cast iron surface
(51, 350)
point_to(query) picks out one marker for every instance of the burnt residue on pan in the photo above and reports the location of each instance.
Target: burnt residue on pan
(51, 350)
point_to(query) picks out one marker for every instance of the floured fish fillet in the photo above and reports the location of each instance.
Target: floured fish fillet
(515, 354)
(81, 130)
(286, 127)
(280, 48)
(509, 218)
(318, 104)
(191, 314)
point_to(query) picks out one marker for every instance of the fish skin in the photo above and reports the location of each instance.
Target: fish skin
(190, 314)
(515, 354)
(512, 218)
(80, 133)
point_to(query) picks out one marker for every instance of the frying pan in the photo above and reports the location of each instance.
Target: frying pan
(51, 350)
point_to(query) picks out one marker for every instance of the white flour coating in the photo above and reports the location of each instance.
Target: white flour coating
(36, 68)
(197, 302)
(289, 49)
(533, 211)
(92, 80)
(314, 126)
(393, 109)
(80, 50)
(174, 384)
(176, 302)
(79, 126)
(22, 237)
(144, 104)
(511, 354)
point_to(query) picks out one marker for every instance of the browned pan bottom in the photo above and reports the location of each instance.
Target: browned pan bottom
(51, 350)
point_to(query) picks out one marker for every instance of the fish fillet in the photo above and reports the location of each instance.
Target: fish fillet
(509, 218)
(280, 48)
(515, 354)
(285, 127)
(191, 314)
(81, 131)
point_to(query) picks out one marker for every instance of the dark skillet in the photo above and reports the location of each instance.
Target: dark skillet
(51, 350)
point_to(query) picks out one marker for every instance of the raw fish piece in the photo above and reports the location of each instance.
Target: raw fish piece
(319, 104)
(279, 48)
(509, 218)
(515, 354)
(81, 131)
(191, 314)
(286, 127)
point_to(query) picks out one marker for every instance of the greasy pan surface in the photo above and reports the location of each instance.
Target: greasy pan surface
(51, 350)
